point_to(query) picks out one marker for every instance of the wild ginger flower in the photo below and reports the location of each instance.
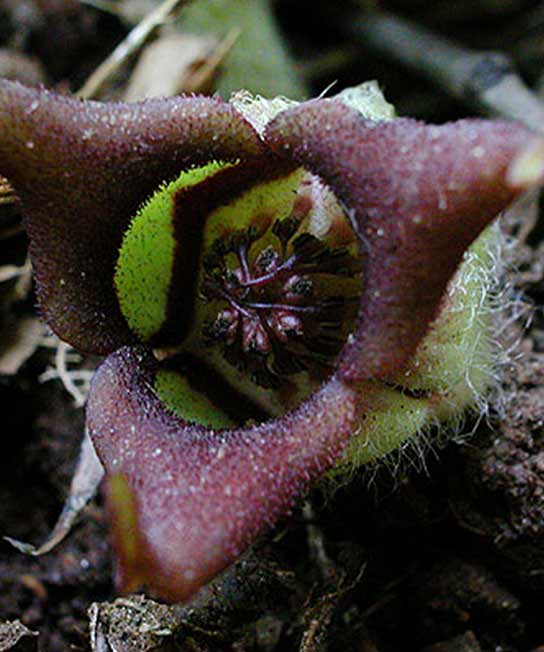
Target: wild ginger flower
(250, 317)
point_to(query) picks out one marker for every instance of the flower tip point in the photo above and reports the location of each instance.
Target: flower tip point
(125, 533)
(527, 168)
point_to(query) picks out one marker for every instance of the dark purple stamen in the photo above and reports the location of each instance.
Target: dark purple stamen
(272, 307)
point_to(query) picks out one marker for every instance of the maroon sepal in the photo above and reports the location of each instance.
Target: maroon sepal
(417, 196)
(187, 500)
(82, 169)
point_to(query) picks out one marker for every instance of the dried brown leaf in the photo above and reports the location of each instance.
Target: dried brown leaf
(167, 64)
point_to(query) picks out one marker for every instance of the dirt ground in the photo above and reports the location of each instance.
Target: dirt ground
(441, 556)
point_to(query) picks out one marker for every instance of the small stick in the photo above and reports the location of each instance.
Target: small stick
(484, 78)
(9, 272)
(316, 543)
(134, 40)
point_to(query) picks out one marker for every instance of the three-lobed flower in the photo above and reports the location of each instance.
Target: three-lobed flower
(259, 291)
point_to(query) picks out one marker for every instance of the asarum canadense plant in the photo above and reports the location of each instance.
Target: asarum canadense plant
(265, 286)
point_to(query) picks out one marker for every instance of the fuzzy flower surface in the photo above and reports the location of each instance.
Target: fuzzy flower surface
(257, 290)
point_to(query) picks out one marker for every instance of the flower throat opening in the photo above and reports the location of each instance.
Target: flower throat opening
(255, 282)
(284, 300)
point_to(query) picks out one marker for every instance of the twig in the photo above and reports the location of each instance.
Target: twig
(88, 475)
(483, 78)
(316, 544)
(128, 46)
(9, 272)
(69, 377)
(76, 381)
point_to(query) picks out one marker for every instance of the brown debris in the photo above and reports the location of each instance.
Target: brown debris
(15, 637)
(318, 620)
(320, 613)
(254, 585)
(131, 624)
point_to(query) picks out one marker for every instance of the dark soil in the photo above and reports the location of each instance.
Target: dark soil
(446, 560)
